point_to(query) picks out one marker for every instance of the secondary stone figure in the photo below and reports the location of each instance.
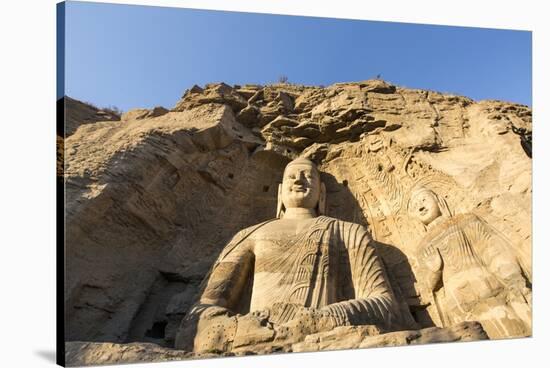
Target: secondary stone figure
(299, 274)
(481, 278)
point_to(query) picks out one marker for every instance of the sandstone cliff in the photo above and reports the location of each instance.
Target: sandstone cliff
(78, 113)
(152, 198)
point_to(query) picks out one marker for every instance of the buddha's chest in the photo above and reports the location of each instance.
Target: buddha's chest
(281, 239)
(289, 253)
(273, 254)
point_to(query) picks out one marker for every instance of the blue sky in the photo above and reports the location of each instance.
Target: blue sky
(143, 56)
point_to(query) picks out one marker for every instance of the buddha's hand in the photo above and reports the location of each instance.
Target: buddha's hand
(518, 292)
(432, 258)
(220, 332)
(527, 295)
(195, 323)
(262, 315)
(321, 318)
(306, 321)
(282, 312)
(215, 331)
(252, 329)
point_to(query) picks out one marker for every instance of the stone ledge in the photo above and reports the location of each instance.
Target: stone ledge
(80, 353)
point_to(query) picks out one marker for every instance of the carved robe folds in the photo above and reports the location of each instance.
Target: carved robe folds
(328, 272)
(481, 278)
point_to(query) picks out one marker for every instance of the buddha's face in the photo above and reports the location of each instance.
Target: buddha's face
(301, 185)
(424, 207)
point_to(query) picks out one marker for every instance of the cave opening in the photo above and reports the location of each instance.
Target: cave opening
(157, 331)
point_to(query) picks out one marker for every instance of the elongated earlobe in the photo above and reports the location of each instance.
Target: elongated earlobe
(280, 207)
(322, 206)
(443, 207)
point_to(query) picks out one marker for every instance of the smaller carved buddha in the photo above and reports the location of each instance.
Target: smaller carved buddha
(469, 269)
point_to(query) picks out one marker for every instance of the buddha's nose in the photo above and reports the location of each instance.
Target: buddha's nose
(300, 178)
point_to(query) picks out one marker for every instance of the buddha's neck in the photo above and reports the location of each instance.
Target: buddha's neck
(436, 222)
(299, 213)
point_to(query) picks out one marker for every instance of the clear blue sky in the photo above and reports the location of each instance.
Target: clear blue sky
(142, 56)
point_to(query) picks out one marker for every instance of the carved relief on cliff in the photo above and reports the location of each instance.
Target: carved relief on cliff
(152, 200)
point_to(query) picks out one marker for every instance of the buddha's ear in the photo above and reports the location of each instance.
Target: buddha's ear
(443, 207)
(322, 206)
(280, 206)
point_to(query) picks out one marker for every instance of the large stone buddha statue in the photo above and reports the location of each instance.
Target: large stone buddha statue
(298, 274)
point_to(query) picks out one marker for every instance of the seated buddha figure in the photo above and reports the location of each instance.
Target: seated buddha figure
(298, 274)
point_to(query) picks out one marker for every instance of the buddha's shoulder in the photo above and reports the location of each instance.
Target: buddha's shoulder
(270, 227)
(250, 230)
(344, 224)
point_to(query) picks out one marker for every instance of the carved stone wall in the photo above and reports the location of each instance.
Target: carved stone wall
(152, 199)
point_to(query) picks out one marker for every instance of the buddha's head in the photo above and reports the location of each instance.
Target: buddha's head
(424, 205)
(301, 187)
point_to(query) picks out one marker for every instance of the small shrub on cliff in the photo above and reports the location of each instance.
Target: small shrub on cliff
(283, 79)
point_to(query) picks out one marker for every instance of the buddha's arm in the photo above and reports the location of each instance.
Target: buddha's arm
(229, 278)
(374, 302)
(208, 324)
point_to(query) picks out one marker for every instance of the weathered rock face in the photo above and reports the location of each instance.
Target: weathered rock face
(74, 114)
(93, 353)
(78, 113)
(360, 337)
(152, 199)
(139, 114)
